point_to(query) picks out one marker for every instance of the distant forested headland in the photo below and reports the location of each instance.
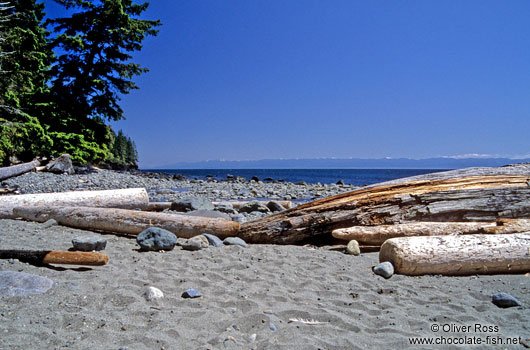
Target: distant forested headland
(61, 79)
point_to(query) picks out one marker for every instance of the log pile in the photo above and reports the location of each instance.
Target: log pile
(479, 198)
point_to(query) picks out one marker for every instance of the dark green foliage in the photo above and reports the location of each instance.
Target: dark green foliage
(93, 69)
(51, 105)
(124, 154)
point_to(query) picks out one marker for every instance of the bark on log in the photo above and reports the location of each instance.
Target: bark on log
(56, 257)
(458, 199)
(18, 169)
(158, 206)
(130, 198)
(377, 235)
(129, 221)
(458, 255)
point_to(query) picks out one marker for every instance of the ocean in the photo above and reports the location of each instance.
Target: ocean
(357, 177)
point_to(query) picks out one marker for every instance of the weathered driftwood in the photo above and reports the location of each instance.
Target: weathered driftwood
(469, 198)
(130, 198)
(129, 221)
(18, 169)
(376, 235)
(56, 257)
(458, 255)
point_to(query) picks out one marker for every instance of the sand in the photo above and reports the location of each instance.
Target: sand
(246, 292)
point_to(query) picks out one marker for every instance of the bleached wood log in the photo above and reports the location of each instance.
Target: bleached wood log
(376, 235)
(502, 193)
(130, 198)
(458, 255)
(129, 221)
(19, 169)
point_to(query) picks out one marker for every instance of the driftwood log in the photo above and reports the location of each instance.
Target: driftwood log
(18, 169)
(445, 197)
(458, 255)
(130, 198)
(56, 257)
(129, 221)
(377, 235)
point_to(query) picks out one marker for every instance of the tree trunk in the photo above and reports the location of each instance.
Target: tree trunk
(458, 255)
(239, 204)
(449, 199)
(129, 221)
(130, 198)
(18, 169)
(56, 257)
(508, 226)
(376, 235)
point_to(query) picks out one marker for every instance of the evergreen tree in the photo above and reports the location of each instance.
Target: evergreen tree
(24, 62)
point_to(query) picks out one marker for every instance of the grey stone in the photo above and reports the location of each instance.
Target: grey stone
(191, 293)
(384, 269)
(235, 241)
(88, 244)
(273, 327)
(190, 204)
(275, 206)
(254, 206)
(225, 207)
(254, 178)
(505, 300)
(61, 165)
(14, 283)
(155, 238)
(213, 240)
(190, 244)
(49, 223)
(340, 182)
(239, 218)
(208, 214)
(353, 247)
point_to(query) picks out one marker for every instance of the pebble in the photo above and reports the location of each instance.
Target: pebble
(49, 223)
(353, 247)
(88, 244)
(155, 238)
(213, 240)
(254, 206)
(273, 327)
(384, 269)
(275, 206)
(235, 241)
(14, 283)
(191, 293)
(190, 204)
(190, 244)
(252, 337)
(152, 293)
(505, 300)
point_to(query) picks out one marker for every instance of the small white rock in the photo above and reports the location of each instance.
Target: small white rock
(252, 337)
(152, 293)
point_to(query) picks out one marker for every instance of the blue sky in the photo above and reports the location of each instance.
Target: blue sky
(256, 79)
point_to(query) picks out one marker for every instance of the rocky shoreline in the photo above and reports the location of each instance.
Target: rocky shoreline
(165, 187)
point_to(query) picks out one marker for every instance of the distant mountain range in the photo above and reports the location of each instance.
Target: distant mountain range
(347, 163)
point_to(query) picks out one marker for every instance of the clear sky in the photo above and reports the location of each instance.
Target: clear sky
(240, 79)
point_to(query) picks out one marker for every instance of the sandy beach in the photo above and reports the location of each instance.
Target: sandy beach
(249, 297)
